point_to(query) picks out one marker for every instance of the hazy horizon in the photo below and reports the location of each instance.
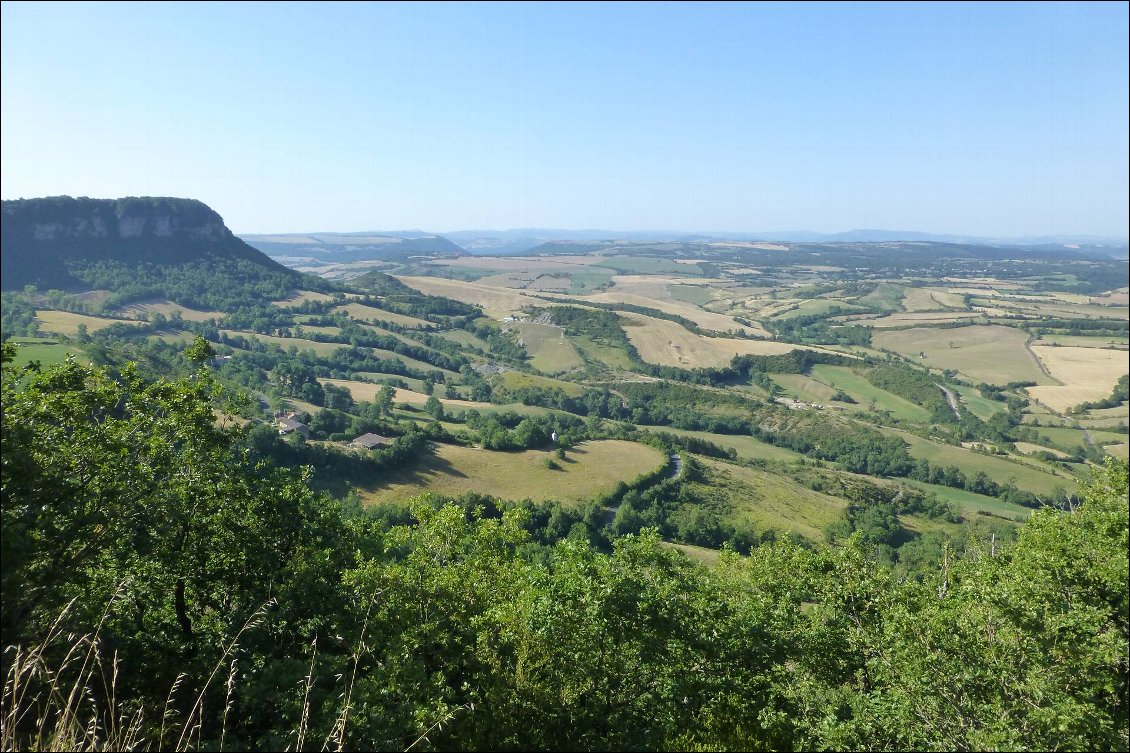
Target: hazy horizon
(981, 120)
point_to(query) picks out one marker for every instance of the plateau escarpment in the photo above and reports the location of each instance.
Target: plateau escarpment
(133, 246)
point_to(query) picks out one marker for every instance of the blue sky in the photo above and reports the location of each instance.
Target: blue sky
(990, 119)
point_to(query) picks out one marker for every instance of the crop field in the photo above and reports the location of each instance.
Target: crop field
(767, 500)
(496, 301)
(843, 378)
(364, 391)
(590, 468)
(66, 322)
(363, 313)
(670, 344)
(1087, 374)
(168, 308)
(985, 353)
(970, 504)
(1118, 450)
(999, 469)
(709, 320)
(1083, 341)
(920, 318)
(920, 299)
(548, 347)
(300, 297)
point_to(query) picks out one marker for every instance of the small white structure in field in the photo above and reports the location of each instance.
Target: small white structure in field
(553, 437)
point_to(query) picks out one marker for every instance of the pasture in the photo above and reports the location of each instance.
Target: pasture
(548, 347)
(867, 394)
(999, 469)
(590, 469)
(744, 445)
(970, 504)
(765, 500)
(985, 353)
(67, 323)
(47, 352)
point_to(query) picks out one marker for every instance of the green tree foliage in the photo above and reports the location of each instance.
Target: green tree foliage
(451, 626)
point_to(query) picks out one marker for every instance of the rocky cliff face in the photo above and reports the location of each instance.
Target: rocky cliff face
(62, 217)
(43, 241)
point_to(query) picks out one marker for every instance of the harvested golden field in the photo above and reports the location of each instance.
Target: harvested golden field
(984, 353)
(911, 319)
(670, 344)
(1120, 297)
(703, 318)
(363, 313)
(919, 299)
(1027, 448)
(302, 296)
(67, 323)
(590, 468)
(496, 301)
(1087, 374)
(1118, 450)
(366, 392)
(168, 308)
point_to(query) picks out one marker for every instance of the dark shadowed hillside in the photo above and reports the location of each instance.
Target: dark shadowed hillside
(135, 246)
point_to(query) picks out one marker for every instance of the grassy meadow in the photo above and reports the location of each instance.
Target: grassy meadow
(590, 469)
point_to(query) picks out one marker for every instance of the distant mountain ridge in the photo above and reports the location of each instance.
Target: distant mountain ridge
(345, 248)
(331, 247)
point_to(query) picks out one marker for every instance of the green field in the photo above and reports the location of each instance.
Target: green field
(589, 349)
(549, 350)
(765, 500)
(513, 380)
(803, 388)
(970, 503)
(884, 298)
(842, 377)
(999, 469)
(590, 469)
(699, 295)
(813, 306)
(981, 407)
(47, 352)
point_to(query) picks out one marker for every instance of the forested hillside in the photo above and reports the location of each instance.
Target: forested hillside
(165, 587)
